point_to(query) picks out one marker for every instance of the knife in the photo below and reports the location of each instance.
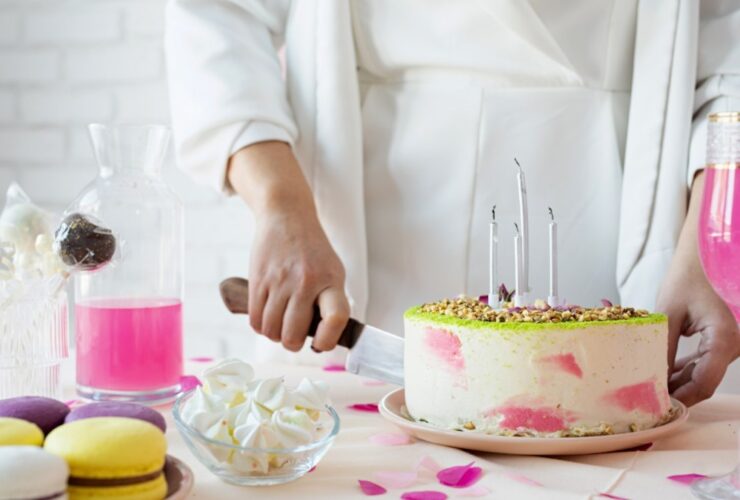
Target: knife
(373, 352)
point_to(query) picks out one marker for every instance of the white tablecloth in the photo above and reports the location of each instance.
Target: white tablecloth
(706, 444)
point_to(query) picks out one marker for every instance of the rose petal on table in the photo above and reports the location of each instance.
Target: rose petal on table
(396, 479)
(373, 383)
(424, 495)
(334, 368)
(687, 479)
(366, 407)
(189, 382)
(477, 490)
(613, 497)
(428, 463)
(460, 476)
(201, 359)
(391, 439)
(311, 469)
(520, 478)
(371, 489)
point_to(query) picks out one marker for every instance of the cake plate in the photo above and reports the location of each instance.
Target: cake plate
(179, 478)
(393, 409)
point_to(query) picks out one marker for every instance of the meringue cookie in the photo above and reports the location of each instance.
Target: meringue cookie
(311, 395)
(268, 396)
(229, 380)
(203, 411)
(293, 427)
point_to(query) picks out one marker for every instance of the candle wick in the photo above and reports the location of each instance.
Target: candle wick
(493, 214)
(516, 228)
(517, 163)
(552, 215)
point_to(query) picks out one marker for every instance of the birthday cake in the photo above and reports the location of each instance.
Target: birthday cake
(536, 371)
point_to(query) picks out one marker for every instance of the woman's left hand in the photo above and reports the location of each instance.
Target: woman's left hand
(693, 307)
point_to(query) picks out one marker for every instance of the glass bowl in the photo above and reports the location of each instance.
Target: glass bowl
(246, 466)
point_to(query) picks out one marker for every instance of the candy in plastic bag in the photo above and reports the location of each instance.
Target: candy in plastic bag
(84, 243)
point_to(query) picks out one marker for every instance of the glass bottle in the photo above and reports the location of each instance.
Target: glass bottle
(128, 315)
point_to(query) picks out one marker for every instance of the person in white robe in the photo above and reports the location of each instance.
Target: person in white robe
(371, 157)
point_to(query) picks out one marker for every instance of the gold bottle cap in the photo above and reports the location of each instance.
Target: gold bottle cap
(725, 117)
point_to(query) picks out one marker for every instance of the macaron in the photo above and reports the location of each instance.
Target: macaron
(30, 473)
(112, 457)
(47, 413)
(14, 431)
(118, 409)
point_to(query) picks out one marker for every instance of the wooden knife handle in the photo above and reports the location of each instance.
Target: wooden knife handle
(235, 294)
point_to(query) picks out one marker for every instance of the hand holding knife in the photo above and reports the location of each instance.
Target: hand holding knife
(373, 352)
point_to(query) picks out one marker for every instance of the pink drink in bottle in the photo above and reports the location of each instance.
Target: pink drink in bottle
(129, 312)
(129, 345)
(719, 221)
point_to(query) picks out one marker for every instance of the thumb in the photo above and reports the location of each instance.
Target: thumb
(676, 322)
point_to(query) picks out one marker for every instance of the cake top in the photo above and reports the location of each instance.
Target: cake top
(471, 309)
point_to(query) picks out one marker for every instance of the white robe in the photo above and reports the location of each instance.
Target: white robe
(227, 89)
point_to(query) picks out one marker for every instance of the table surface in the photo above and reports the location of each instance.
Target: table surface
(706, 444)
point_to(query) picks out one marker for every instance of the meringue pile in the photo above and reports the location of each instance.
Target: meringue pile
(257, 414)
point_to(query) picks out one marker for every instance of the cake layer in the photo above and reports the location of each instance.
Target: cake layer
(537, 379)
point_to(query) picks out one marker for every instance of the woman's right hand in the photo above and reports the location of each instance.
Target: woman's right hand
(293, 266)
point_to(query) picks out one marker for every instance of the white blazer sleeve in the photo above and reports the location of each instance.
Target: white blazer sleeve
(225, 80)
(718, 72)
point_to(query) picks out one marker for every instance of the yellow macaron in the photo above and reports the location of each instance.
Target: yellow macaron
(112, 457)
(14, 431)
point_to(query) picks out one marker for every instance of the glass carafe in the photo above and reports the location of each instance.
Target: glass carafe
(128, 315)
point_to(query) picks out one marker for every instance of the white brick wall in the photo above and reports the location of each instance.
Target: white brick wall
(66, 63)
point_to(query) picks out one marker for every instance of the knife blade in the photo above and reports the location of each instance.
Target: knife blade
(373, 352)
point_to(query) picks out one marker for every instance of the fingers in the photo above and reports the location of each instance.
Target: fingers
(334, 316)
(257, 300)
(297, 319)
(681, 376)
(706, 374)
(676, 322)
(272, 317)
(686, 360)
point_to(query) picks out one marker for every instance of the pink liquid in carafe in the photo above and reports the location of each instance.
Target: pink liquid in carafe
(129, 344)
(719, 233)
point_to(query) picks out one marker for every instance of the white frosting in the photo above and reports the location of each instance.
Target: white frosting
(234, 408)
(550, 381)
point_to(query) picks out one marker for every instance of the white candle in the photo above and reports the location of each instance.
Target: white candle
(518, 298)
(493, 260)
(552, 299)
(524, 225)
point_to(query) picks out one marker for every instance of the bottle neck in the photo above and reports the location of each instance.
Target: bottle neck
(723, 140)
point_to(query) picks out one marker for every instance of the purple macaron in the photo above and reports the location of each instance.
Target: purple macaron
(47, 413)
(118, 409)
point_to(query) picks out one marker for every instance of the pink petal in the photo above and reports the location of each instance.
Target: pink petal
(366, 407)
(521, 478)
(391, 439)
(334, 368)
(460, 476)
(687, 479)
(189, 382)
(424, 495)
(311, 469)
(606, 303)
(373, 383)
(613, 497)
(201, 359)
(371, 489)
(72, 402)
(477, 490)
(428, 463)
(395, 479)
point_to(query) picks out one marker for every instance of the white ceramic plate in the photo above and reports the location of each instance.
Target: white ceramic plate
(393, 408)
(179, 478)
